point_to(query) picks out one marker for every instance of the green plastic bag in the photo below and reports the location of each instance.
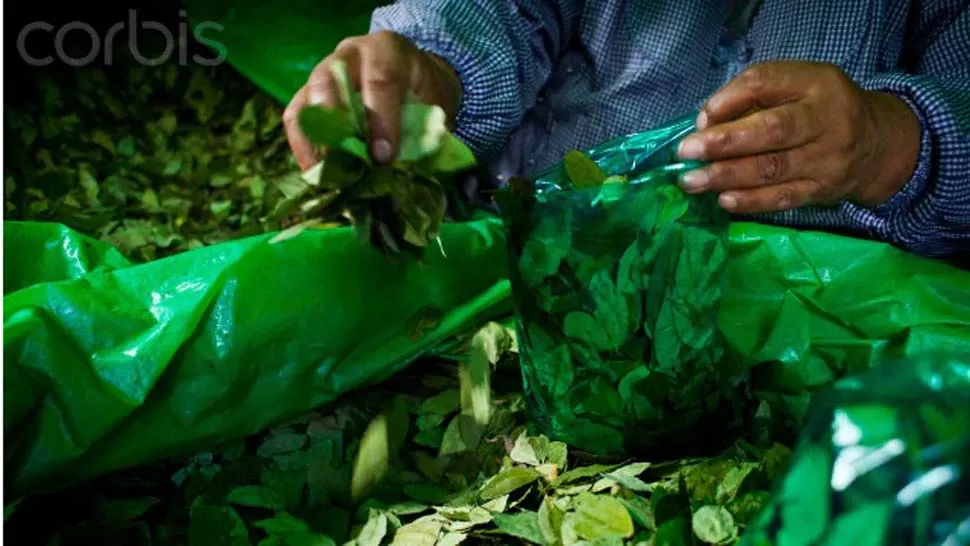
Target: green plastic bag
(617, 286)
(884, 459)
(112, 366)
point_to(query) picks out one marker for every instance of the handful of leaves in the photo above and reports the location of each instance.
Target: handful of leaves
(617, 285)
(397, 207)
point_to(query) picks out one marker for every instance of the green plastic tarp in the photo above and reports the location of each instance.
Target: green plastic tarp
(109, 365)
(276, 44)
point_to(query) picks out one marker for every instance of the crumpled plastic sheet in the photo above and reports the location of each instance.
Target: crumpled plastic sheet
(883, 459)
(108, 365)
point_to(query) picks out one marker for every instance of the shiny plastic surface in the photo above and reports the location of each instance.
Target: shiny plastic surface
(617, 289)
(122, 365)
(884, 459)
(277, 44)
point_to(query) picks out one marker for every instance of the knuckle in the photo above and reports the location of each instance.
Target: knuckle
(290, 114)
(754, 78)
(719, 140)
(771, 167)
(380, 78)
(386, 37)
(785, 199)
(776, 125)
(720, 174)
(292, 110)
(352, 42)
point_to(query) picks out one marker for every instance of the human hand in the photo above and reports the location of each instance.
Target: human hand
(384, 66)
(787, 134)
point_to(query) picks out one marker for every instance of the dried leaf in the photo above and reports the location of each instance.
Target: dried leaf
(524, 525)
(714, 525)
(507, 481)
(600, 516)
(583, 171)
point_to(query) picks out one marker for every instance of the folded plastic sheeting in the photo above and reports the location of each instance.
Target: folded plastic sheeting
(108, 366)
(111, 366)
(884, 459)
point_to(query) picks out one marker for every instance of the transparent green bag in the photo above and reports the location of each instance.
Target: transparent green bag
(883, 459)
(616, 288)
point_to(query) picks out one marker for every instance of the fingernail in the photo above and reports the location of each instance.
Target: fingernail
(727, 201)
(691, 148)
(694, 181)
(381, 149)
(317, 96)
(701, 122)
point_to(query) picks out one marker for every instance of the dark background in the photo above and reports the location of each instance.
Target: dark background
(19, 75)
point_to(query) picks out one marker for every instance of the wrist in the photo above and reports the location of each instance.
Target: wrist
(896, 133)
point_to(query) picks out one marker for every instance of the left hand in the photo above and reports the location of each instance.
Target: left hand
(787, 134)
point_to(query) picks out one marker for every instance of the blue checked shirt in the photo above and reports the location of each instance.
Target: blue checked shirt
(543, 76)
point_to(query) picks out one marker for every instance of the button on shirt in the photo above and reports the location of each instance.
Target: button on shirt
(541, 77)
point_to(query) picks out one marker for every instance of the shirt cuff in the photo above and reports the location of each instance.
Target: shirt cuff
(914, 188)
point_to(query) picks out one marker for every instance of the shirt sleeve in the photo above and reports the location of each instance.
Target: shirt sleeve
(502, 51)
(930, 215)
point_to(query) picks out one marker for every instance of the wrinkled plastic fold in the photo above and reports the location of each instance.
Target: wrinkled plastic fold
(883, 459)
(112, 365)
(109, 365)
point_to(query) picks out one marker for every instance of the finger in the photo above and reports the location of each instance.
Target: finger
(383, 82)
(775, 129)
(754, 171)
(304, 152)
(781, 197)
(323, 90)
(761, 86)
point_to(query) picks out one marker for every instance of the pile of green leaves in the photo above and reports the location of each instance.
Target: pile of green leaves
(437, 456)
(616, 288)
(397, 207)
(154, 160)
(159, 160)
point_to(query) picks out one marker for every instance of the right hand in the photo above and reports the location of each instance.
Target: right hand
(383, 65)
